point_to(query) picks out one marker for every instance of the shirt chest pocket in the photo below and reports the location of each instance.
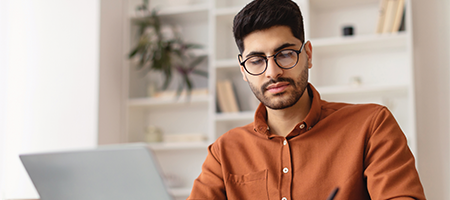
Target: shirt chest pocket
(252, 186)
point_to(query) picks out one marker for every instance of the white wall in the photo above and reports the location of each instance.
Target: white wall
(2, 86)
(432, 72)
(48, 82)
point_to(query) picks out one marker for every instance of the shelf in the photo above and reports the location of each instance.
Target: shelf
(374, 41)
(227, 63)
(228, 11)
(180, 192)
(245, 115)
(327, 4)
(326, 91)
(146, 102)
(179, 146)
(179, 14)
(178, 10)
(363, 90)
(224, 4)
(183, 9)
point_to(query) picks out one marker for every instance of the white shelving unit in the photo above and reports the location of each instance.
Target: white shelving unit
(366, 67)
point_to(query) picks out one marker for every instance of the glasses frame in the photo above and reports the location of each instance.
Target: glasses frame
(266, 58)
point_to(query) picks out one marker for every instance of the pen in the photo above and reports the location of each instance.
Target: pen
(333, 194)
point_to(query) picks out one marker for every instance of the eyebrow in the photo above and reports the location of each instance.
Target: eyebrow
(253, 53)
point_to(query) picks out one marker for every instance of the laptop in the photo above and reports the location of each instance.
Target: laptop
(112, 172)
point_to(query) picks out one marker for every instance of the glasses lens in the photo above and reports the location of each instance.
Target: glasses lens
(255, 64)
(286, 58)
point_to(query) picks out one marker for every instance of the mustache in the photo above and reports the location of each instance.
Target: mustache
(273, 81)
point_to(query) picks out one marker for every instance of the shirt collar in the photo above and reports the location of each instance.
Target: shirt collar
(260, 120)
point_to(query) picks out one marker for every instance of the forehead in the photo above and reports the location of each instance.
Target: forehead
(266, 41)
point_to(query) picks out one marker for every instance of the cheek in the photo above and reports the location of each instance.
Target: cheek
(254, 81)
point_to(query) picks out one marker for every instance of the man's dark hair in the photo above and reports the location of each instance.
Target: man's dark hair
(264, 14)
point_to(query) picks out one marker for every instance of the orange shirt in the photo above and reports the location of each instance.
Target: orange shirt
(357, 147)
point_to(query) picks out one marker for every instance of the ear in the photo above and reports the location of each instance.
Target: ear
(244, 75)
(308, 50)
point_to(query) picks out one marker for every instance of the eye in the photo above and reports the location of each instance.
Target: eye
(256, 60)
(286, 54)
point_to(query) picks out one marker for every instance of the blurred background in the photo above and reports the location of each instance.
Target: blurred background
(66, 81)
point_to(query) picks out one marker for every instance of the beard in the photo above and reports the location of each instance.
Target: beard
(292, 96)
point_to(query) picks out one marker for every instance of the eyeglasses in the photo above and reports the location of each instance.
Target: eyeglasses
(257, 65)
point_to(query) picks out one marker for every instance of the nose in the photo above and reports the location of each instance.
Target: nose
(273, 71)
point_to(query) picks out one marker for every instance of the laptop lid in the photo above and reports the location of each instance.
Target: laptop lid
(115, 172)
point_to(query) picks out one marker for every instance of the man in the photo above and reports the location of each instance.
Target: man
(299, 146)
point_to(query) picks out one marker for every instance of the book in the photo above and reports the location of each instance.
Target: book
(231, 97)
(402, 24)
(398, 16)
(381, 15)
(226, 97)
(391, 16)
(221, 97)
(391, 9)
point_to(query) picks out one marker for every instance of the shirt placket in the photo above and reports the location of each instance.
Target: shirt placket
(286, 163)
(286, 171)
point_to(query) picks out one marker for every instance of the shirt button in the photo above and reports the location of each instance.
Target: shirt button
(285, 170)
(284, 142)
(284, 198)
(302, 126)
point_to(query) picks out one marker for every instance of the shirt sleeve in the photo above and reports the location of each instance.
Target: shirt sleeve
(209, 185)
(389, 164)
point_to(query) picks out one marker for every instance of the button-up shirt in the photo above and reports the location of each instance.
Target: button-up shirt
(358, 148)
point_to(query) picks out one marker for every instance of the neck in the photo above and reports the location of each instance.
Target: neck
(281, 122)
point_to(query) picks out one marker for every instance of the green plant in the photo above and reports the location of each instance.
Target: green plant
(156, 52)
(143, 7)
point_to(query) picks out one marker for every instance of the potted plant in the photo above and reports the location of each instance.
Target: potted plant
(156, 52)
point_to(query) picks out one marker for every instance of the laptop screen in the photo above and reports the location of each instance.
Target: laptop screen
(115, 172)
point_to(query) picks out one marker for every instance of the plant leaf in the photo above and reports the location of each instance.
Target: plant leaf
(193, 46)
(201, 73)
(196, 61)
